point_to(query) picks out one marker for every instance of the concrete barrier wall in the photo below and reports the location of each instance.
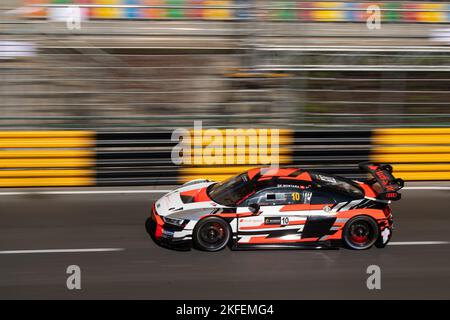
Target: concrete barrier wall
(415, 154)
(88, 158)
(47, 158)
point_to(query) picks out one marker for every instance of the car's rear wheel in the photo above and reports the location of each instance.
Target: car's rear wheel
(211, 234)
(360, 233)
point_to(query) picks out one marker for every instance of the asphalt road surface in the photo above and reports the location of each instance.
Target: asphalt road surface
(143, 270)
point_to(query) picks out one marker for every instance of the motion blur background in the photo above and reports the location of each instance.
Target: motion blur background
(89, 96)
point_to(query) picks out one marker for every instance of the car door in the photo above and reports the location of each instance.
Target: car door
(282, 215)
(321, 216)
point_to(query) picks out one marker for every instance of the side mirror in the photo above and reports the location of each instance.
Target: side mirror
(254, 208)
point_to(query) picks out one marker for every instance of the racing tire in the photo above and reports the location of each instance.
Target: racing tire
(211, 234)
(360, 233)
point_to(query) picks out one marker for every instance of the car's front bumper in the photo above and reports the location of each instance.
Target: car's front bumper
(162, 233)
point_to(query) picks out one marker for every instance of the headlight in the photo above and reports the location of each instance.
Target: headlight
(177, 222)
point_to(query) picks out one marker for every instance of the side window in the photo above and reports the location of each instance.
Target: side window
(277, 197)
(272, 198)
(321, 197)
(267, 197)
(252, 199)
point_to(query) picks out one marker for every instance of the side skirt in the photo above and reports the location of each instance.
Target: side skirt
(336, 244)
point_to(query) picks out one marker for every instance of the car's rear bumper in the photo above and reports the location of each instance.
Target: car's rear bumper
(386, 227)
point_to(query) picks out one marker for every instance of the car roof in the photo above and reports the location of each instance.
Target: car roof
(265, 177)
(261, 174)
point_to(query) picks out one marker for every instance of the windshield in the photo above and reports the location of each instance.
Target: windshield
(230, 191)
(338, 183)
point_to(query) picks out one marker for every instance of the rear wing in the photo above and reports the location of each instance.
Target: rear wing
(383, 182)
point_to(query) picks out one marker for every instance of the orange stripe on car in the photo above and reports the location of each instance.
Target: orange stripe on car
(295, 207)
(190, 193)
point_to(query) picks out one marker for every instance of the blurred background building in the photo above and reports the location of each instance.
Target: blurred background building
(154, 65)
(162, 63)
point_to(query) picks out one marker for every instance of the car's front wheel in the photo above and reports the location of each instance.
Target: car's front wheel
(211, 234)
(360, 232)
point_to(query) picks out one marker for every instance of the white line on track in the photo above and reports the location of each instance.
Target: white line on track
(62, 250)
(416, 243)
(75, 192)
(398, 243)
(426, 188)
(62, 192)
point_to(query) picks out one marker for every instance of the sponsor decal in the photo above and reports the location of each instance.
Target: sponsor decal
(288, 186)
(284, 221)
(272, 220)
(384, 178)
(390, 195)
(385, 234)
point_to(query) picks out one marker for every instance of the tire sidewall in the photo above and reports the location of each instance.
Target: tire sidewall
(373, 224)
(201, 223)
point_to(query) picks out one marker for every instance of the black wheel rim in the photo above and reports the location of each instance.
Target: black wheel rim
(213, 234)
(361, 233)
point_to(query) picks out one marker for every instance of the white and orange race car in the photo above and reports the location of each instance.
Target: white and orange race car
(278, 208)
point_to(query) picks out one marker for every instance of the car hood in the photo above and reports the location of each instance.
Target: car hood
(189, 197)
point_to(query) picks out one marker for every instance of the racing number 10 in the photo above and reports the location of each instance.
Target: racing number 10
(296, 196)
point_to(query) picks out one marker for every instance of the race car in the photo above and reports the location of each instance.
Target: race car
(278, 208)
